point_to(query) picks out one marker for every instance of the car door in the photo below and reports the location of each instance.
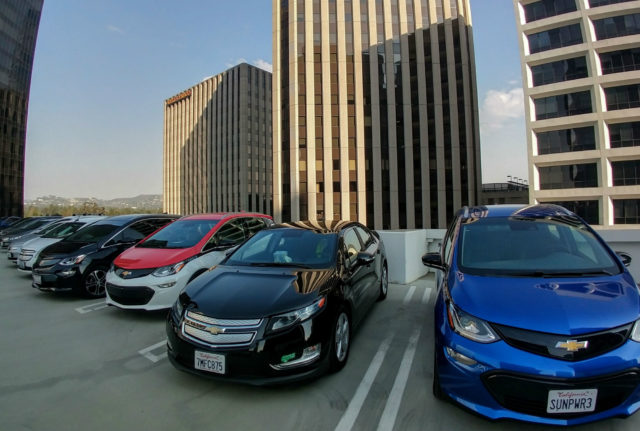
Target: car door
(373, 270)
(355, 275)
(230, 234)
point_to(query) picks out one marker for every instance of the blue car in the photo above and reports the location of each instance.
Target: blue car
(536, 319)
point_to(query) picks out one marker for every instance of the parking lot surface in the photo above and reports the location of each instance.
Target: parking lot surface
(68, 363)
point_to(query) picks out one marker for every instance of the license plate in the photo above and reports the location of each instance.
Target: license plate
(37, 279)
(20, 264)
(210, 362)
(574, 401)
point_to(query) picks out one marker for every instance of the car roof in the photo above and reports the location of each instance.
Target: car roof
(532, 211)
(319, 226)
(222, 215)
(121, 220)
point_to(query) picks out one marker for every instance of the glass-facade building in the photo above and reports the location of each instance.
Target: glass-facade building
(19, 21)
(580, 63)
(375, 111)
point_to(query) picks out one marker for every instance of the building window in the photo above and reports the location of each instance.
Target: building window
(588, 210)
(620, 61)
(546, 8)
(624, 97)
(626, 173)
(559, 71)
(626, 211)
(567, 140)
(555, 38)
(563, 105)
(568, 176)
(596, 3)
(617, 26)
(624, 134)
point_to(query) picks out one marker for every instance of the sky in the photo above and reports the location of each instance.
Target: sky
(103, 69)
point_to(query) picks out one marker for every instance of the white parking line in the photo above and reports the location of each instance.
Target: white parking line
(388, 419)
(426, 295)
(146, 352)
(92, 307)
(351, 414)
(408, 296)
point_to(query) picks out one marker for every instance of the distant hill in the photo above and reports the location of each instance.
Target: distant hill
(140, 201)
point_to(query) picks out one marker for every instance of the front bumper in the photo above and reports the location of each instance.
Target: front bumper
(253, 364)
(56, 278)
(143, 293)
(508, 383)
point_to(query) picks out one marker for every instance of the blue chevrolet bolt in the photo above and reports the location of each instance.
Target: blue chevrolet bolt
(536, 319)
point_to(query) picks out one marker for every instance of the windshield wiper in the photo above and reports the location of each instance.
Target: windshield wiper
(280, 264)
(544, 274)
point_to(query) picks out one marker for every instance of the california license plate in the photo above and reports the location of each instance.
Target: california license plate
(574, 401)
(37, 279)
(210, 362)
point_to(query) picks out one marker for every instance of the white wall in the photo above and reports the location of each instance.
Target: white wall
(405, 249)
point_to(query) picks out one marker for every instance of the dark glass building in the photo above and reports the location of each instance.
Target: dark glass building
(19, 20)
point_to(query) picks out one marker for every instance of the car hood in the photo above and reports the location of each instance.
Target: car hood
(565, 306)
(64, 248)
(143, 258)
(251, 293)
(37, 244)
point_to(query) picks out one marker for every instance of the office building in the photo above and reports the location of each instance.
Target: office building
(217, 144)
(580, 63)
(375, 111)
(19, 21)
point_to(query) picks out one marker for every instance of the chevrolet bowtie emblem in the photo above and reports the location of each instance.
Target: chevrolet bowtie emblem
(125, 273)
(215, 330)
(572, 345)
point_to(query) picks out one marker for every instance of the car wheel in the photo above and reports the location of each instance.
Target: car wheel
(384, 283)
(438, 393)
(340, 340)
(94, 282)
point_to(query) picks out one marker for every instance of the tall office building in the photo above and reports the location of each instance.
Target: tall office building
(375, 111)
(19, 21)
(580, 63)
(217, 144)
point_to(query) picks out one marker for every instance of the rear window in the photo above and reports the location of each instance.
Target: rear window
(531, 246)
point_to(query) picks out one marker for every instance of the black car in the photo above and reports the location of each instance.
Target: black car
(23, 227)
(80, 261)
(282, 306)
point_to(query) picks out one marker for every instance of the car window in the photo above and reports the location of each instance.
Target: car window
(448, 243)
(183, 233)
(228, 235)
(352, 245)
(365, 236)
(253, 225)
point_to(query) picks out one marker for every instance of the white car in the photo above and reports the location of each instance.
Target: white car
(30, 250)
(151, 275)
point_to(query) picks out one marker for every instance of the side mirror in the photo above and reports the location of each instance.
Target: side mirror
(433, 260)
(365, 258)
(624, 257)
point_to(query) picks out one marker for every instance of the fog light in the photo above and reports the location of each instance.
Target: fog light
(68, 273)
(166, 285)
(309, 355)
(459, 357)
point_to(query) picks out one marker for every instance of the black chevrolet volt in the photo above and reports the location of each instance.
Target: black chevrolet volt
(282, 306)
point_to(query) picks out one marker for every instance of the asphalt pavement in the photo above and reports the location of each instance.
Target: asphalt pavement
(67, 363)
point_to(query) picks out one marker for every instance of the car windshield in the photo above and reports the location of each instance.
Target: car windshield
(93, 233)
(180, 234)
(63, 230)
(33, 223)
(532, 247)
(287, 247)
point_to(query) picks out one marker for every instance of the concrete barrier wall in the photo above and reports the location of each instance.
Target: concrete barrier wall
(405, 249)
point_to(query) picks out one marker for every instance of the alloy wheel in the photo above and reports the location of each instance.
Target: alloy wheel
(95, 282)
(342, 337)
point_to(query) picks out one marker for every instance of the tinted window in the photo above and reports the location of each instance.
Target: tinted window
(365, 236)
(555, 38)
(563, 105)
(617, 26)
(561, 141)
(93, 233)
(63, 230)
(568, 176)
(626, 211)
(620, 61)
(546, 8)
(352, 246)
(624, 134)
(494, 246)
(137, 231)
(625, 97)
(558, 71)
(230, 234)
(253, 225)
(288, 246)
(180, 234)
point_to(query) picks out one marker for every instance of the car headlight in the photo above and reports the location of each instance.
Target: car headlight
(286, 320)
(635, 332)
(165, 271)
(178, 308)
(73, 260)
(469, 326)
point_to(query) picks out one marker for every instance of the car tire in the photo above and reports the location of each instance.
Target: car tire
(94, 282)
(340, 340)
(438, 393)
(384, 283)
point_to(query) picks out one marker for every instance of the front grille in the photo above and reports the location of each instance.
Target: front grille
(529, 395)
(45, 263)
(544, 344)
(127, 274)
(130, 295)
(219, 332)
(26, 254)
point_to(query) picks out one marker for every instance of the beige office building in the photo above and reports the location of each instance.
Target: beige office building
(580, 68)
(375, 111)
(217, 144)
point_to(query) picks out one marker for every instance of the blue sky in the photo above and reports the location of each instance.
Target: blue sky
(103, 69)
